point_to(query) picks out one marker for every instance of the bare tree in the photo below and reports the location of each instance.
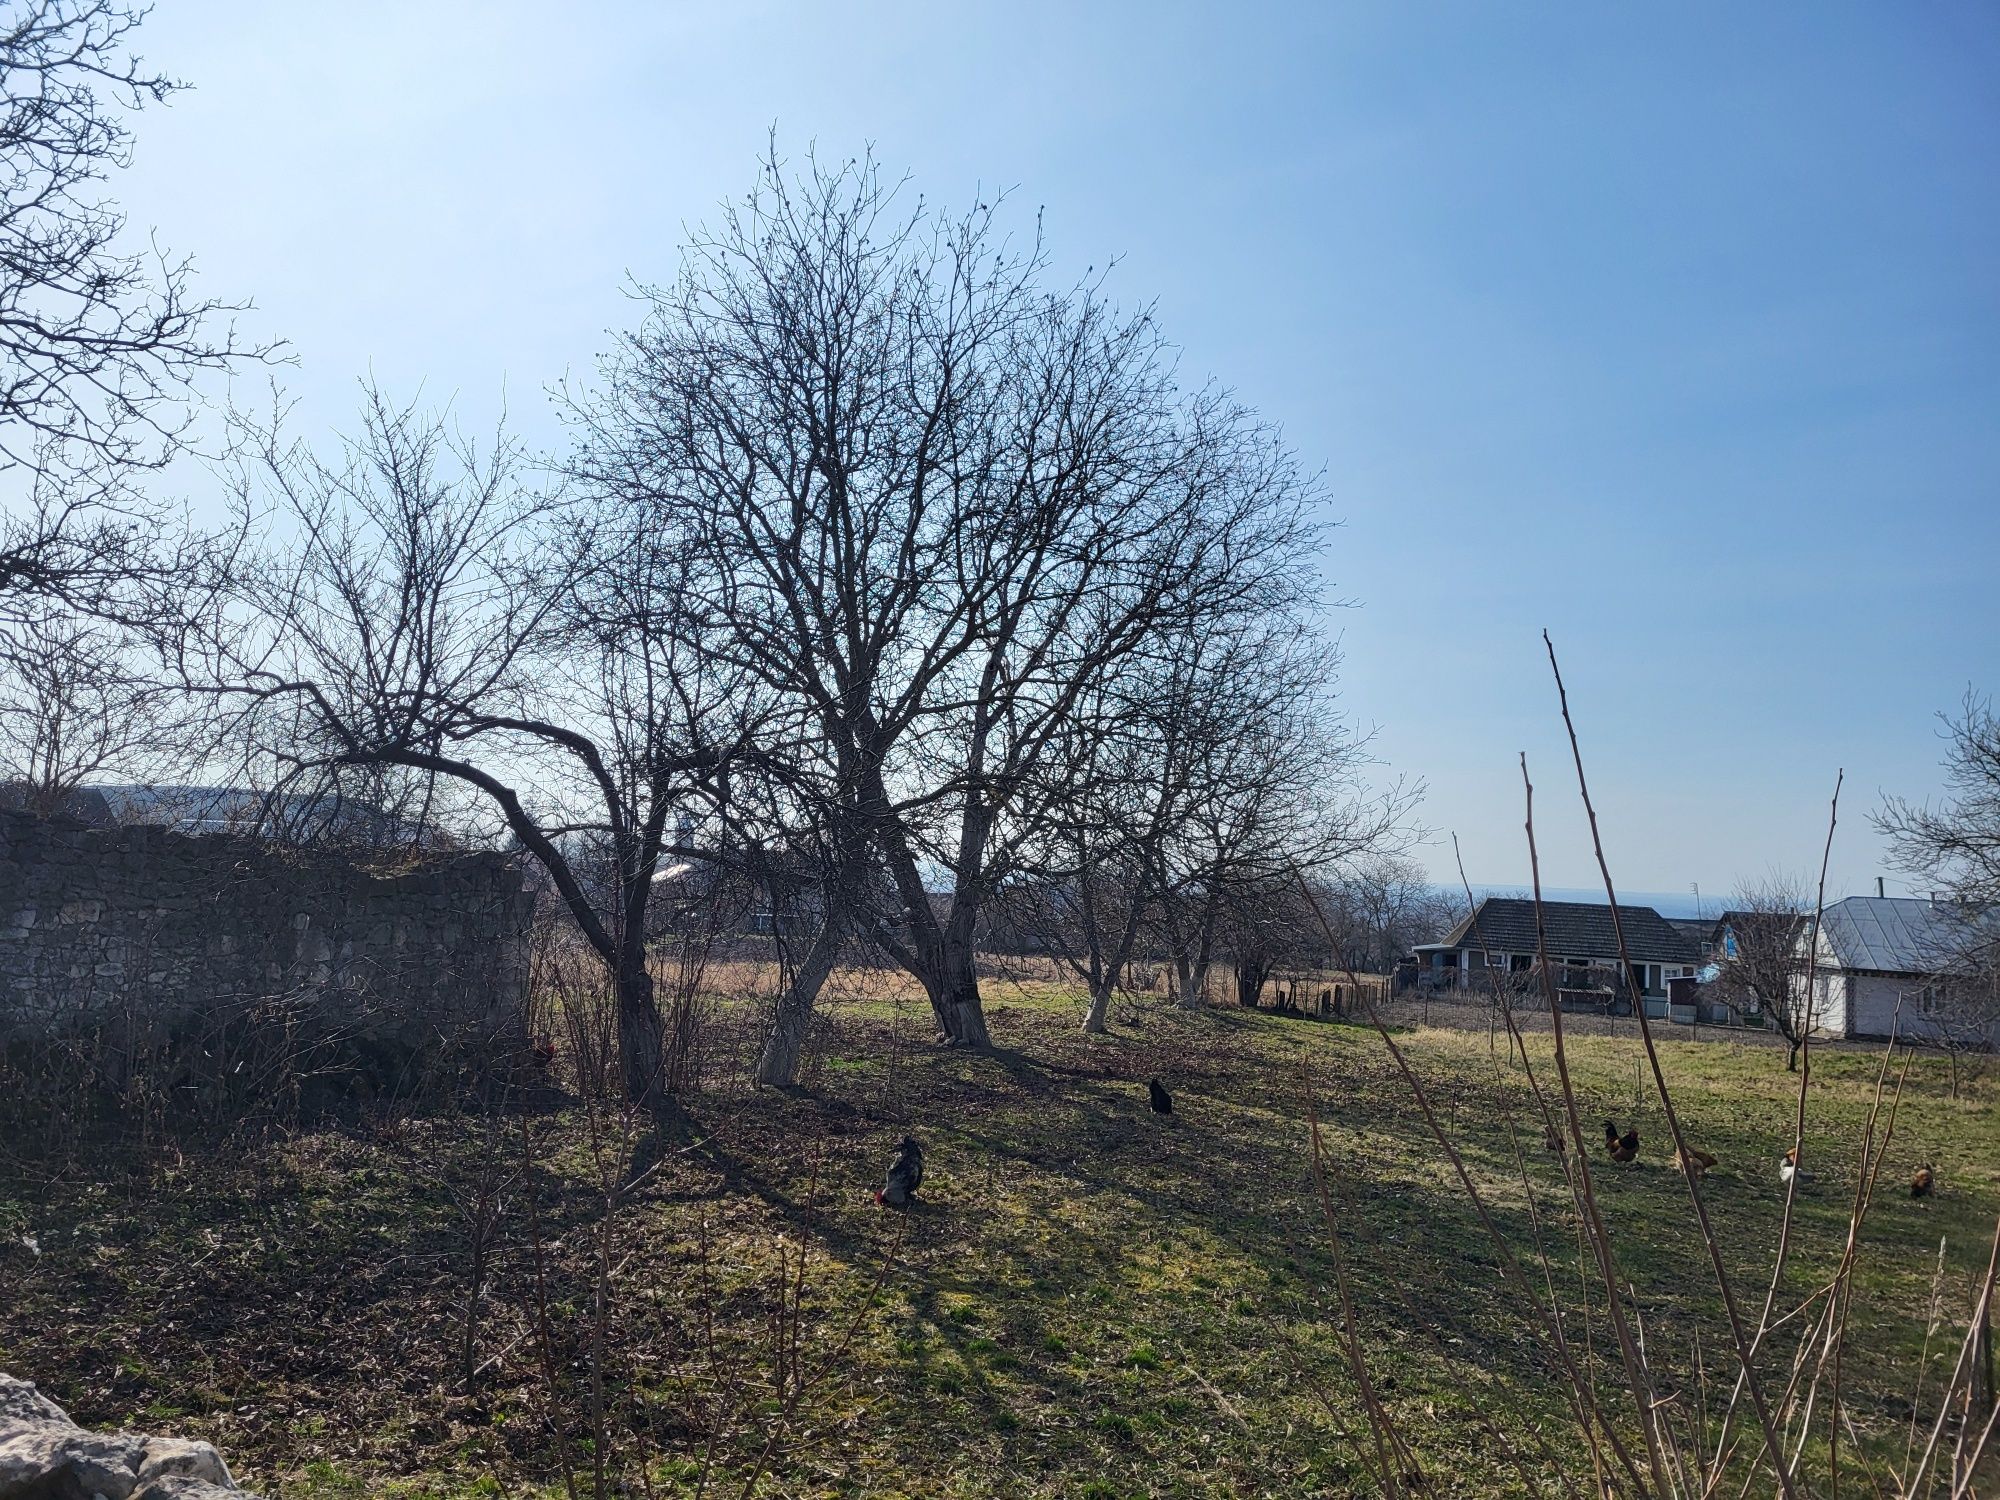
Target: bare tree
(1762, 970)
(1082, 900)
(1267, 927)
(99, 341)
(1123, 773)
(1272, 789)
(934, 504)
(428, 610)
(814, 876)
(1955, 845)
(1383, 905)
(76, 705)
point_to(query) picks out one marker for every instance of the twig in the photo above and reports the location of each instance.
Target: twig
(1742, 1339)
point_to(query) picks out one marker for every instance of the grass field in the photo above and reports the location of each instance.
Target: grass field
(1088, 1301)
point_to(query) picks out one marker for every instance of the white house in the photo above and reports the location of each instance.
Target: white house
(1886, 965)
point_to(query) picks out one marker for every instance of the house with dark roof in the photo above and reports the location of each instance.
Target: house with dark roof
(1699, 929)
(1499, 935)
(1902, 965)
(1721, 945)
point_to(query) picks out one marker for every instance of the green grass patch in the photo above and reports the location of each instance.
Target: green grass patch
(1087, 1300)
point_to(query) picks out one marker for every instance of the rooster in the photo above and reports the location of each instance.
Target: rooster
(1624, 1147)
(1162, 1101)
(1924, 1182)
(906, 1174)
(543, 1051)
(1788, 1167)
(1694, 1161)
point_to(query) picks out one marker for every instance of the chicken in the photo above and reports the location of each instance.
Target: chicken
(1162, 1101)
(1788, 1167)
(543, 1051)
(906, 1174)
(1924, 1182)
(1621, 1147)
(1694, 1162)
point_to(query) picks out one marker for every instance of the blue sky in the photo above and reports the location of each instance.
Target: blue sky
(1675, 330)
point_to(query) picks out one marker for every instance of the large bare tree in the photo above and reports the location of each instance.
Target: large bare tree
(934, 503)
(422, 606)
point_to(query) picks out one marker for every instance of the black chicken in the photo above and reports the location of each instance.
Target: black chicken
(906, 1174)
(1163, 1102)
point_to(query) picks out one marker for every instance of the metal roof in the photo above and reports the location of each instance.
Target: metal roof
(1901, 934)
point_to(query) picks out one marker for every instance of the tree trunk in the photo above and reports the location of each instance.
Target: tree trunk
(1191, 982)
(1250, 984)
(779, 1064)
(954, 992)
(1095, 1020)
(1191, 966)
(1792, 1056)
(640, 1040)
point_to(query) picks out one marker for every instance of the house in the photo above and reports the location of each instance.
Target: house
(1902, 965)
(773, 890)
(1698, 929)
(296, 817)
(1500, 935)
(1721, 944)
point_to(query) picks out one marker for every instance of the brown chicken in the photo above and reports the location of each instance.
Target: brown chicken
(1922, 1184)
(1621, 1147)
(1695, 1162)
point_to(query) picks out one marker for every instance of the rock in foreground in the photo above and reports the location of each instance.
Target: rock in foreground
(46, 1456)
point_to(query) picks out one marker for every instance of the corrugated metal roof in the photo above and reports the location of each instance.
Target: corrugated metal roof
(1901, 934)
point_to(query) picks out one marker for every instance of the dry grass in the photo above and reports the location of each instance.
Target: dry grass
(1090, 1300)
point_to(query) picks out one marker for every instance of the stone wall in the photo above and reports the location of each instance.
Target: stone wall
(46, 1456)
(158, 932)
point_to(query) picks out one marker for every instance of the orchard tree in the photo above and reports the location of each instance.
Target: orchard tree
(1381, 906)
(423, 607)
(933, 502)
(1271, 791)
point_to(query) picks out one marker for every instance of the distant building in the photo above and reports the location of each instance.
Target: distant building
(1500, 936)
(1902, 965)
(1698, 929)
(196, 810)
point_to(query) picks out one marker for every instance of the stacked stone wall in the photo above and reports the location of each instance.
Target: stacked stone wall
(154, 932)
